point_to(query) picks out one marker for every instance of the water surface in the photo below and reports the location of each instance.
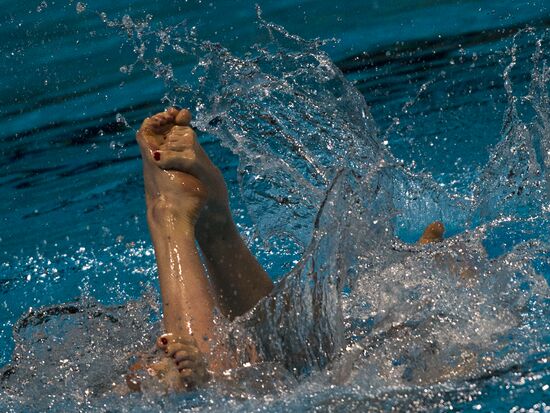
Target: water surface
(337, 154)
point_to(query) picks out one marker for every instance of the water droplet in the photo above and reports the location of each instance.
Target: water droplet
(41, 6)
(80, 7)
(121, 119)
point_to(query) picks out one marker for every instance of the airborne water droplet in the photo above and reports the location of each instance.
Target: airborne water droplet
(80, 7)
(41, 6)
(121, 119)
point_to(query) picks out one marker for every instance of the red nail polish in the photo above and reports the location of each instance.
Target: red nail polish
(163, 340)
(156, 155)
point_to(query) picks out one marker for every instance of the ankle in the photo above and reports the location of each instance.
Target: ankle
(167, 215)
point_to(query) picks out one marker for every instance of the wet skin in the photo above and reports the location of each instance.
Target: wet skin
(187, 201)
(433, 233)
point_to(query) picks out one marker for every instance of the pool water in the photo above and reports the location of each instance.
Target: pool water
(337, 152)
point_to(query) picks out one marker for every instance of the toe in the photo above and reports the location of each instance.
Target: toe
(173, 348)
(163, 341)
(185, 365)
(172, 111)
(149, 134)
(189, 341)
(166, 117)
(144, 131)
(186, 373)
(156, 120)
(180, 137)
(184, 354)
(183, 161)
(167, 339)
(181, 355)
(160, 124)
(183, 118)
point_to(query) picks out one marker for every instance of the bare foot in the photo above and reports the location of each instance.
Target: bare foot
(178, 366)
(433, 233)
(180, 183)
(185, 366)
(177, 171)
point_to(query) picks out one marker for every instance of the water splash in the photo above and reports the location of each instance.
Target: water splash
(365, 316)
(515, 180)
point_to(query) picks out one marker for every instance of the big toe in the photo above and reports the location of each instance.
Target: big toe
(183, 117)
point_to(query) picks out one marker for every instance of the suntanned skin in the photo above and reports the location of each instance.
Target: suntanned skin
(187, 201)
(237, 278)
(186, 195)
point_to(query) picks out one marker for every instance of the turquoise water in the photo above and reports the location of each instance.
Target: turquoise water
(457, 131)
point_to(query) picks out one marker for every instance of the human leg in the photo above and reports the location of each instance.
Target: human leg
(237, 279)
(174, 200)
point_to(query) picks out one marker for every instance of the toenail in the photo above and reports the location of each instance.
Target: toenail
(156, 155)
(164, 340)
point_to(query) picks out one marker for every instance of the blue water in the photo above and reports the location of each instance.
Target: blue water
(435, 78)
